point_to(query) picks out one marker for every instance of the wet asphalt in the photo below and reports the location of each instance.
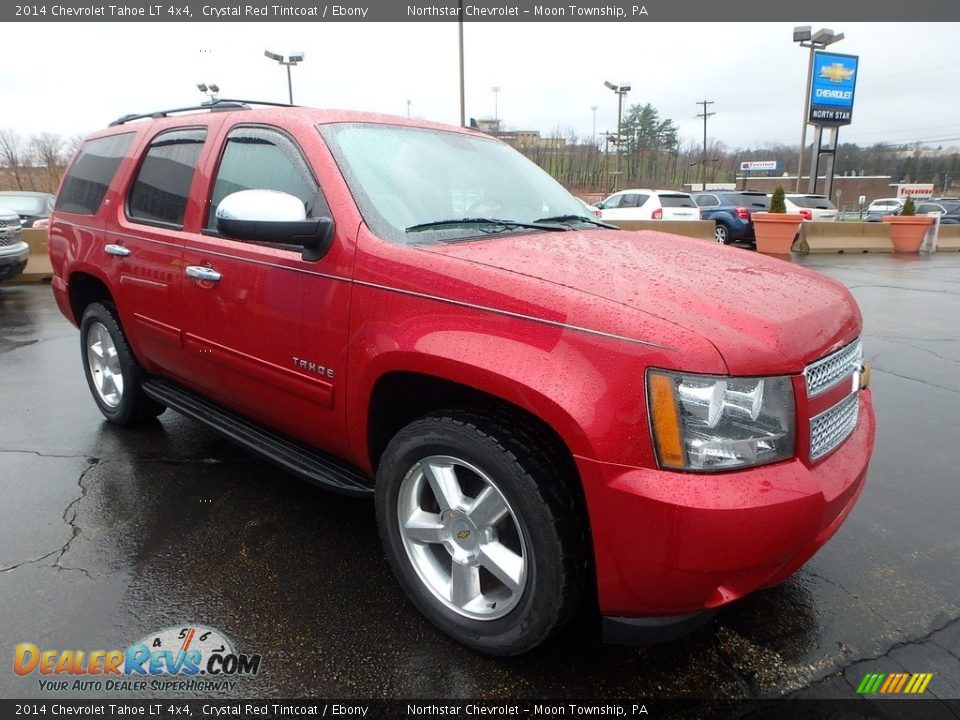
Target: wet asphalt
(107, 534)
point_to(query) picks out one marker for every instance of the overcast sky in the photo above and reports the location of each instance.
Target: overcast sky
(72, 78)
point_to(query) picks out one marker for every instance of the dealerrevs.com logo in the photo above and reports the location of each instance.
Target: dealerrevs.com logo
(188, 658)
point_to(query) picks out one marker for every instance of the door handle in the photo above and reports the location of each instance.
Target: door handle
(118, 250)
(201, 272)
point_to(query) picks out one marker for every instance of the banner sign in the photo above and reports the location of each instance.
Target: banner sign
(755, 165)
(832, 89)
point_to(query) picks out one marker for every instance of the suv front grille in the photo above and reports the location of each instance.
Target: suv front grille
(833, 426)
(826, 372)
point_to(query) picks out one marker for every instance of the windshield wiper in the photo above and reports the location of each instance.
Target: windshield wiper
(496, 222)
(576, 218)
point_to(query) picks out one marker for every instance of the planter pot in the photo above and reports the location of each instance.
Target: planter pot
(775, 231)
(907, 231)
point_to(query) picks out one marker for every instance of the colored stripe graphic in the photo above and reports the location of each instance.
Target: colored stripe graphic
(894, 683)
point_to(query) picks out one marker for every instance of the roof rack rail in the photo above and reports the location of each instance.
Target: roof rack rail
(214, 106)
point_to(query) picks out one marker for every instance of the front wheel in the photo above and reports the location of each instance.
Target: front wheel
(479, 531)
(112, 371)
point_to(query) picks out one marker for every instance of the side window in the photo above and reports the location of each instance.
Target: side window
(159, 193)
(612, 202)
(91, 174)
(630, 201)
(258, 158)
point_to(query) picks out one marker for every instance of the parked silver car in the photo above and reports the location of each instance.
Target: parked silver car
(13, 250)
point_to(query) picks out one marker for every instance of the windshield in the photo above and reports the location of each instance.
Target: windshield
(407, 179)
(25, 204)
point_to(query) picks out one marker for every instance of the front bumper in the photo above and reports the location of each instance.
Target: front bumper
(13, 259)
(670, 544)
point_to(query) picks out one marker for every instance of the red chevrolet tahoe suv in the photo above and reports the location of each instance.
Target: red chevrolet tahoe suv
(547, 411)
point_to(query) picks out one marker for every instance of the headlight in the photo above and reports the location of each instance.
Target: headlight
(708, 423)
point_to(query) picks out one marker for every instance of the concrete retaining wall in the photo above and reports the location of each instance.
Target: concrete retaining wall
(38, 264)
(843, 237)
(949, 238)
(699, 229)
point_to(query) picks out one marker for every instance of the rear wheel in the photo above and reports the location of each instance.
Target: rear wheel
(113, 374)
(479, 531)
(721, 234)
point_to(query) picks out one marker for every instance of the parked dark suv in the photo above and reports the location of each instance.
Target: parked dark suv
(731, 211)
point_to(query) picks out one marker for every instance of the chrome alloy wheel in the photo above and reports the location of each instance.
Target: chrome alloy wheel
(105, 370)
(462, 537)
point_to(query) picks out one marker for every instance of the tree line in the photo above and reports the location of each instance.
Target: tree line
(651, 154)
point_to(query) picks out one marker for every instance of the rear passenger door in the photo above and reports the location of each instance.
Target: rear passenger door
(268, 337)
(146, 242)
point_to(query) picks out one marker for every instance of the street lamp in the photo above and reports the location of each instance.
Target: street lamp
(290, 61)
(593, 137)
(621, 90)
(815, 41)
(496, 115)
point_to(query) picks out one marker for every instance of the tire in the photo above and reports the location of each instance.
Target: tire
(490, 547)
(721, 234)
(113, 373)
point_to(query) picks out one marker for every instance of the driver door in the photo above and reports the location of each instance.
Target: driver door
(267, 331)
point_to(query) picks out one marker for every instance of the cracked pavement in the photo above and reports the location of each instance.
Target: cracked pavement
(107, 535)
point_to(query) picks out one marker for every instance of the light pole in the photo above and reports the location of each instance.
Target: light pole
(621, 90)
(594, 136)
(408, 107)
(210, 91)
(815, 41)
(289, 61)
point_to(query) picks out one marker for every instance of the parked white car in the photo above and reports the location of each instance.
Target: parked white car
(812, 207)
(885, 206)
(646, 204)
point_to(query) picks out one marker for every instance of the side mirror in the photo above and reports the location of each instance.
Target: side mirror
(277, 217)
(598, 205)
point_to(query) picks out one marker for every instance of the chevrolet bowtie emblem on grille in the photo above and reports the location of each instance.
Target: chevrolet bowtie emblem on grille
(463, 535)
(836, 72)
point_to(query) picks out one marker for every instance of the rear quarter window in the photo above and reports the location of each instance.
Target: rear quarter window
(91, 174)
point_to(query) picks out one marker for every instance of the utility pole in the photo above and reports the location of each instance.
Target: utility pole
(703, 161)
(463, 104)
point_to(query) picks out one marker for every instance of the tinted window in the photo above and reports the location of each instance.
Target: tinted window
(159, 194)
(256, 158)
(677, 201)
(924, 208)
(706, 200)
(633, 200)
(91, 174)
(748, 200)
(811, 201)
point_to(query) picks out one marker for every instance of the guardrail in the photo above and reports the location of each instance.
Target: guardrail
(843, 237)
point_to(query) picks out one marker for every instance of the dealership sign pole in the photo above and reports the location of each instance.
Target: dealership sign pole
(831, 105)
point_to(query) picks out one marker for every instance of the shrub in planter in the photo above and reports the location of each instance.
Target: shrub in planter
(775, 230)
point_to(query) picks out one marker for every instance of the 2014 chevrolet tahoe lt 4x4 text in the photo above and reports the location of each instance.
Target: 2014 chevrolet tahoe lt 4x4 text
(539, 404)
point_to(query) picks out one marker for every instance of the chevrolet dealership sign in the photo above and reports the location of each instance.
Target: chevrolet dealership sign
(832, 89)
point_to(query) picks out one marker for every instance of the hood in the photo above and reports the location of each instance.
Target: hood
(764, 315)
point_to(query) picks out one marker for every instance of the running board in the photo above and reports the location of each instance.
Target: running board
(296, 458)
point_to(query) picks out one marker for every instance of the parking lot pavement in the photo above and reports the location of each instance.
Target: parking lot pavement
(107, 535)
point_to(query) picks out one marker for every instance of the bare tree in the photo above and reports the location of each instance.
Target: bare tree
(47, 151)
(13, 154)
